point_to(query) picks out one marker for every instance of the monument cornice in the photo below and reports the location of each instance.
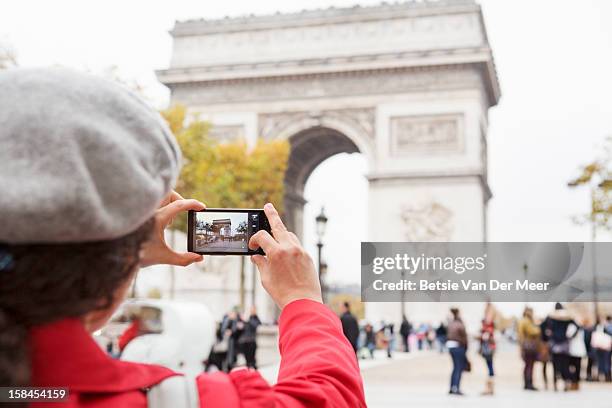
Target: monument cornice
(321, 65)
(327, 16)
(181, 78)
(319, 68)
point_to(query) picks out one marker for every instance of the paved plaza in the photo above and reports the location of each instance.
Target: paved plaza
(420, 379)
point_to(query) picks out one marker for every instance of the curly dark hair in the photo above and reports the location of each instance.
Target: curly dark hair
(42, 283)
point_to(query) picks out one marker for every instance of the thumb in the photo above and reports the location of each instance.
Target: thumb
(184, 258)
(168, 212)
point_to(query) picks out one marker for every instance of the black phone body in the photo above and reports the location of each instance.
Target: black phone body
(224, 231)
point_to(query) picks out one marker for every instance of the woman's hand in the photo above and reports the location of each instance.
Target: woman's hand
(156, 250)
(287, 272)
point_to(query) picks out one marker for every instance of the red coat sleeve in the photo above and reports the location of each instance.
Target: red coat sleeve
(318, 367)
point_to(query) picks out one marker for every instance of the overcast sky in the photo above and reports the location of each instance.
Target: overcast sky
(554, 60)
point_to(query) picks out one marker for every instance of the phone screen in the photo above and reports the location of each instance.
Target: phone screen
(222, 231)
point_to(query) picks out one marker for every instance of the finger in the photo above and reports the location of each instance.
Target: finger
(294, 238)
(175, 196)
(260, 261)
(170, 197)
(276, 224)
(262, 239)
(183, 258)
(171, 210)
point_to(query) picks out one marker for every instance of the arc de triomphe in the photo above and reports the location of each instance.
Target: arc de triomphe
(407, 85)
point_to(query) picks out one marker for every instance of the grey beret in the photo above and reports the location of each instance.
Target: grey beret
(81, 158)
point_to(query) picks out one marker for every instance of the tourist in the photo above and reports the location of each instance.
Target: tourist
(544, 354)
(529, 342)
(405, 330)
(232, 323)
(350, 326)
(487, 346)
(588, 328)
(577, 351)
(368, 339)
(441, 336)
(247, 342)
(601, 340)
(557, 324)
(457, 345)
(218, 352)
(390, 336)
(421, 335)
(87, 174)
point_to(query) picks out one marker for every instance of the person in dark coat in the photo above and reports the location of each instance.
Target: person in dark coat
(350, 327)
(232, 323)
(248, 339)
(405, 330)
(441, 336)
(591, 355)
(556, 327)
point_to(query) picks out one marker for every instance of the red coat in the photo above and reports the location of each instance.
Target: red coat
(129, 334)
(318, 368)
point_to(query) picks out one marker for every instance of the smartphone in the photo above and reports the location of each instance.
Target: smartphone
(224, 231)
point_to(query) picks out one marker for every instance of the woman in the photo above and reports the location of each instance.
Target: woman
(577, 351)
(529, 340)
(84, 165)
(601, 340)
(487, 346)
(557, 324)
(457, 346)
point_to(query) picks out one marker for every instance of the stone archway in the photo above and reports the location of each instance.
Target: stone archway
(408, 85)
(314, 137)
(309, 148)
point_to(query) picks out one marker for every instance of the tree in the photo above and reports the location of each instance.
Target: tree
(597, 175)
(229, 174)
(242, 228)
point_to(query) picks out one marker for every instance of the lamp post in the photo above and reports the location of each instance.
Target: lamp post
(321, 225)
(324, 287)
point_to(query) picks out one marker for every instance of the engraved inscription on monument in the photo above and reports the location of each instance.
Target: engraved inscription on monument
(429, 134)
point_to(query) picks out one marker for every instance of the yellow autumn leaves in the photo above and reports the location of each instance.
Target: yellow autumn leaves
(229, 174)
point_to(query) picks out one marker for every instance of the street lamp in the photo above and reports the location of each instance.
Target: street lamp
(324, 287)
(321, 224)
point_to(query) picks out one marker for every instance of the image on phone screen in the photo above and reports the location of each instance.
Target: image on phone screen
(219, 231)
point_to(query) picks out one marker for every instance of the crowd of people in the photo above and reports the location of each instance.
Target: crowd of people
(566, 343)
(236, 334)
(558, 339)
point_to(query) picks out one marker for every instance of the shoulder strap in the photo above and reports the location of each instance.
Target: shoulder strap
(178, 391)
